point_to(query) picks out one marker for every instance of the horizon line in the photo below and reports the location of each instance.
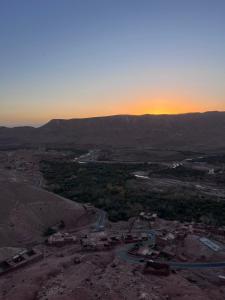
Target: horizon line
(114, 115)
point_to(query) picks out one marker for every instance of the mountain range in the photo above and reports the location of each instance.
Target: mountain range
(184, 131)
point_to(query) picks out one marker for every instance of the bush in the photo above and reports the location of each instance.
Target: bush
(49, 231)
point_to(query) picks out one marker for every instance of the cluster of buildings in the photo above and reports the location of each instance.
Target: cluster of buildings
(108, 241)
(23, 258)
(61, 239)
(165, 237)
(96, 242)
(201, 166)
(147, 244)
(162, 243)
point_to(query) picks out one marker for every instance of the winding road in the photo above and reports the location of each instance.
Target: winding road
(101, 221)
(122, 252)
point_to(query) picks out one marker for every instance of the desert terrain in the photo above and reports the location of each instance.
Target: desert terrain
(112, 150)
(92, 247)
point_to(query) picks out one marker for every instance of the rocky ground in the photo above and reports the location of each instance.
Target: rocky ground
(103, 276)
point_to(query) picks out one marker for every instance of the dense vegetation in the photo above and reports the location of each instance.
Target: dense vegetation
(114, 188)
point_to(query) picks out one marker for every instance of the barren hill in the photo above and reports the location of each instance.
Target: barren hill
(186, 131)
(26, 211)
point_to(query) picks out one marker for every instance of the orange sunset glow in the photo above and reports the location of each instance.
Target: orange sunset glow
(76, 60)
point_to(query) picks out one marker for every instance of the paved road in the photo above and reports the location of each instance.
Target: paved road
(124, 255)
(100, 223)
(122, 252)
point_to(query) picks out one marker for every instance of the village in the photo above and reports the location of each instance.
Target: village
(76, 246)
(158, 246)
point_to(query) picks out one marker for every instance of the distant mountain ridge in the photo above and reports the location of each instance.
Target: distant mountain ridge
(184, 131)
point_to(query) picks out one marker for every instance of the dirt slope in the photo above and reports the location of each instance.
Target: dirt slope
(26, 211)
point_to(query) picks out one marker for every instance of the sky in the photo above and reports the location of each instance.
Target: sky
(84, 58)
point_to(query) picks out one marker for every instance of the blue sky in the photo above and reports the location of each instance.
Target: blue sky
(80, 58)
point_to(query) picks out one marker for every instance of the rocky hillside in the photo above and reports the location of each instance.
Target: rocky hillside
(26, 212)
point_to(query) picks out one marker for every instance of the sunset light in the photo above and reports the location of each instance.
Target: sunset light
(112, 149)
(78, 59)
